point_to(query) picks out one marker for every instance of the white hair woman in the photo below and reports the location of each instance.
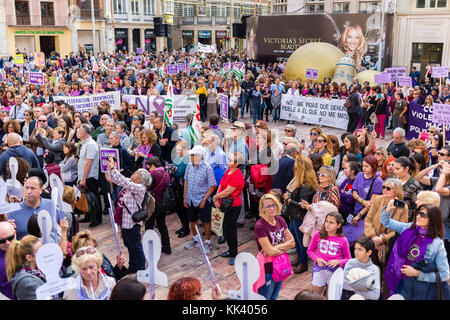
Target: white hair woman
(91, 284)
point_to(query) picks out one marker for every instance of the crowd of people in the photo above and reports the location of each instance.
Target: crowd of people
(379, 213)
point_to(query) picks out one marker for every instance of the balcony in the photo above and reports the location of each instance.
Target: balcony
(47, 21)
(23, 20)
(204, 20)
(85, 14)
(187, 20)
(222, 20)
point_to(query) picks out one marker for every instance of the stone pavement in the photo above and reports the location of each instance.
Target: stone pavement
(182, 263)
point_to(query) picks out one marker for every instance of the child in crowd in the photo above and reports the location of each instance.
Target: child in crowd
(361, 276)
(329, 249)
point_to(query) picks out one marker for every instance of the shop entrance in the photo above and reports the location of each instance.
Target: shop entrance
(47, 44)
(424, 54)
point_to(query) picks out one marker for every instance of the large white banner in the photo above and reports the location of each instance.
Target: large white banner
(85, 102)
(320, 111)
(182, 104)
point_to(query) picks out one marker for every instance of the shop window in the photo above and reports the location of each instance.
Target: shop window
(22, 13)
(47, 14)
(425, 54)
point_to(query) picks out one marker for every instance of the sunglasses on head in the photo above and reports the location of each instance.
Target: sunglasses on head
(10, 238)
(88, 250)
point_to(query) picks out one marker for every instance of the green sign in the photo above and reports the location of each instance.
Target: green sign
(38, 32)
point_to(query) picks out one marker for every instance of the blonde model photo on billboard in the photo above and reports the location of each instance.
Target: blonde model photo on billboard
(353, 44)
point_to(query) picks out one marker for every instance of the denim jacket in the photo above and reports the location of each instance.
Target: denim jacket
(435, 251)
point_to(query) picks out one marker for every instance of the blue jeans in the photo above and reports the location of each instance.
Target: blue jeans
(256, 113)
(132, 240)
(244, 100)
(271, 289)
(276, 114)
(298, 237)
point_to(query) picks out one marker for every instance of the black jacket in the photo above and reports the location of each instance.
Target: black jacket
(293, 209)
(284, 175)
(166, 150)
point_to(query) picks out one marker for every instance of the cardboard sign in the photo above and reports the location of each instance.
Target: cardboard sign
(137, 59)
(45, 225)
(49, 259)
(14, 187)
(152, 250)
(405, 81)
(181, 67)
(108, 152)
(441, 113)
(36, 78)
(395, 73)
(336, 285)
(223, 103)
(139, 50)
(39, 59)
(18, 59)
(172, 69)
(311, 73)
(382, 78)
(440, 72)
(247, 270)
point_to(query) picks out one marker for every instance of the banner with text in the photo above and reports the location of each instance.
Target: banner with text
(331, 113)
(85, 102)
(182, 104)
(420, 118)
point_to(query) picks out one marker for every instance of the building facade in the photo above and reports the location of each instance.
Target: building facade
(421, 34)
(37, 26)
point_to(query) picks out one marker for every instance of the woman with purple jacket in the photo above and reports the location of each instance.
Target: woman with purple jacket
(347, 204)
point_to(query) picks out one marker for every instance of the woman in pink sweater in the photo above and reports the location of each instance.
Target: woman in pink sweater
(329, 249)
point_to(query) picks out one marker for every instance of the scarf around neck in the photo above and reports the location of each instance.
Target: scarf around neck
(400, 252)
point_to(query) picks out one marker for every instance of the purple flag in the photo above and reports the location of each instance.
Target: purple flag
(223, 102)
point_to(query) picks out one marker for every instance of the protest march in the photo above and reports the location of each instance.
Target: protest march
(341, 189)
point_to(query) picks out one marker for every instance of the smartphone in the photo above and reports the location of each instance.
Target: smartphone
(399, 203)
(370, 127)
(379, 95)
(302, 141)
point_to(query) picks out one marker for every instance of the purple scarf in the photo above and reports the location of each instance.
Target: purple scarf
(399, 254)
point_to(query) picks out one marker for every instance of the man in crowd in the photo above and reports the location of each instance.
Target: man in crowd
(167, 138)
(16, 149)
(398, 148)
(18, 109)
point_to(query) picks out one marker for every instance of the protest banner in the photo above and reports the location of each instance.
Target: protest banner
(39, 59)
(420, 118)
(311, 73)
(441, 113)
(395, 73)
(382, 78)
(18, 59)
(172, 69)
(440, 72)
(405, 81)
(318, 111)
(36, 77)
(108, 152)
(182, 104)
(223, 103)
(85, 102)
(181, 67)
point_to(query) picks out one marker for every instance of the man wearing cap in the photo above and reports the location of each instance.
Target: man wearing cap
(199, 184)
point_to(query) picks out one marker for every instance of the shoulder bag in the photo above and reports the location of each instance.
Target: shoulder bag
(142, 213)
(373, 116)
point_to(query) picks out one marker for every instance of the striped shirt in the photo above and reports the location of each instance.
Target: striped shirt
(199, 180)
(131, 189)
(329, 194)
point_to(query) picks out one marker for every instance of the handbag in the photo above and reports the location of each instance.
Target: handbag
(142, 213)
(82, 203)
(217, 221)
(227, 204)
(373, 116)
(282, 268)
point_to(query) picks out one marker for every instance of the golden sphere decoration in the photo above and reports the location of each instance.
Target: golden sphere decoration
(367, 75)
(315, 55)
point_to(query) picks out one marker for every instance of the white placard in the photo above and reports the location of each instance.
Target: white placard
(247, 270)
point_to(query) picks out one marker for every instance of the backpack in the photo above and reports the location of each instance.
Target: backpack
(167, 203)
(347, 102)
(258, 183)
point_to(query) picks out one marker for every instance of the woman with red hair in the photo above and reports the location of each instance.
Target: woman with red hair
(387, 171)
(188, 288)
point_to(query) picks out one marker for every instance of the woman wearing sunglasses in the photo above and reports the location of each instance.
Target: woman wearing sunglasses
(324, 149)
(314, 134)
(381, 236)
(417, 253)
(91, 284)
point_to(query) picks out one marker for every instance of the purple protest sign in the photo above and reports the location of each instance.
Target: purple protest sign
(311, 73)
(420, 118)
(405, 81)
(181, 67)
(36, 77)
(223, 103)
(395, 73)
(137, 59)
(1, 75)
(139, 50)
(104, 154)
(441, 113)
(382, 78)
(440, 72)
(172, 69)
